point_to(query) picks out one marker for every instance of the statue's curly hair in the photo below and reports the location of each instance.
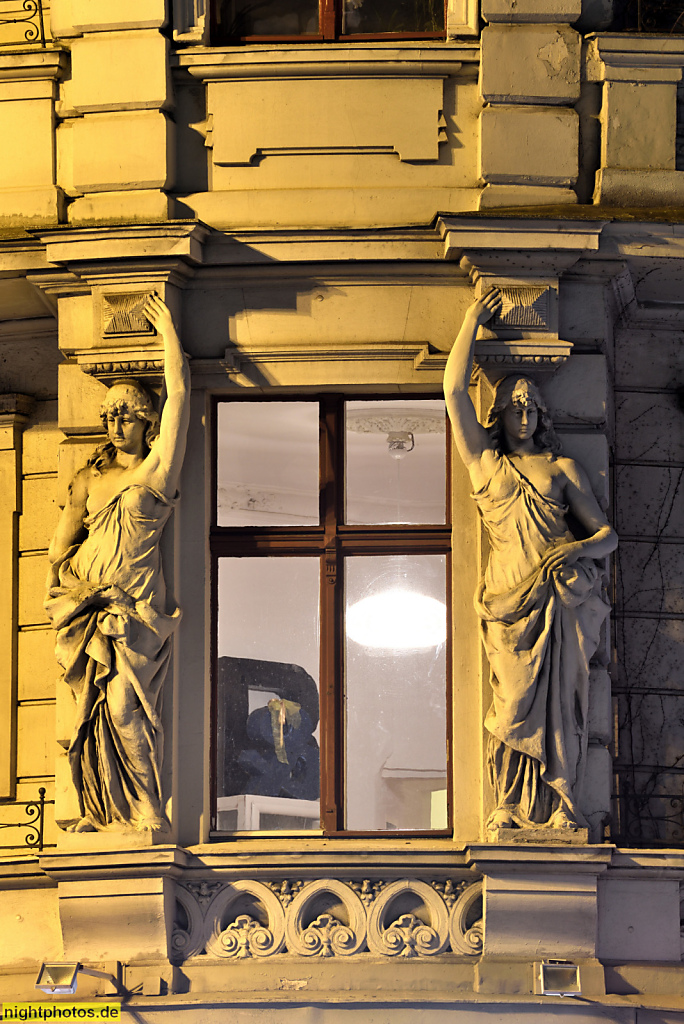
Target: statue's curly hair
(136, 401)
(545, 437)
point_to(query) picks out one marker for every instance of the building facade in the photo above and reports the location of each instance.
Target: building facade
(318, 194)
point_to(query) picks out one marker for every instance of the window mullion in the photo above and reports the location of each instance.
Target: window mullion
(331, 476)
(328, 15)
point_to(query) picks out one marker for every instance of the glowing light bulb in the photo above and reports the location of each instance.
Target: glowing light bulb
(397, 620)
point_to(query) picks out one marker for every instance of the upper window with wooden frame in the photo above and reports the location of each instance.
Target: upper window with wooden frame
(331, 556)
(238, 21)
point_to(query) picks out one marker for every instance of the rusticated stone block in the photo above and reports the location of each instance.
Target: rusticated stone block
(528, 145)
(530, 64)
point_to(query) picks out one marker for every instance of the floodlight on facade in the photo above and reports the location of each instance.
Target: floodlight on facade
(559, 978)
(62, 979)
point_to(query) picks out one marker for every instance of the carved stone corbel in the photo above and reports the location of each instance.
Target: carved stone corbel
(523, 337)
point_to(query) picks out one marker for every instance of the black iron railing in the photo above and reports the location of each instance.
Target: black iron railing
(21, 22)
(660, 16)
(33, 823)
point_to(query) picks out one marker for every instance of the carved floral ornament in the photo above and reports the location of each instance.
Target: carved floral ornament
(327, 918)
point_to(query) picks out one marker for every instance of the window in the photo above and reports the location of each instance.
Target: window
(331, 559)
(301, 20)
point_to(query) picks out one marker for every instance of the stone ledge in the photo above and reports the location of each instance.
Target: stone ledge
(546, 836)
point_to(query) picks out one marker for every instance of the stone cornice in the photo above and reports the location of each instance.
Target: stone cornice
(327, 59)
(33, 65)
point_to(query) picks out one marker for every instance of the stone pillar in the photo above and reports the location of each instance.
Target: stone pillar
(529, 81)
(539, 903)
(115, 141)
(638, 120)
(14, 414)
(29, 195)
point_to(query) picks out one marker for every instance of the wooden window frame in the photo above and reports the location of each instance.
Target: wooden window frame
(332, 540)
(330, 23)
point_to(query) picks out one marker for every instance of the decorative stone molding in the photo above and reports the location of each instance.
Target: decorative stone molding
(285, 890)
(122, 314)
(187, 935)
(466, 921)
(143, 369)
(326, 918)
(526, 306)
(448, 891)
(367, 891)
(231, 931)
(204, 891)
(393, 933)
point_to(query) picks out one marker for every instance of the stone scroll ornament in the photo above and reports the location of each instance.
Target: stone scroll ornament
(107, 601)
(541, 603)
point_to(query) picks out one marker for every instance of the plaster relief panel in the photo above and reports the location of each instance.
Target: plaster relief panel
(252, 119)
(123, 314)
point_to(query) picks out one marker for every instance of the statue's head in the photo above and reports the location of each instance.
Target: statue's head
(521, 395)
(128, 398)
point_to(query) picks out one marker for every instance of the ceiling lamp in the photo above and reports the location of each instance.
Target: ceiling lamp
(398, 425)
(397, 620)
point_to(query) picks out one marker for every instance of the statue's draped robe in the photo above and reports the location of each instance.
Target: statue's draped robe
(540, 630)
(108, 604)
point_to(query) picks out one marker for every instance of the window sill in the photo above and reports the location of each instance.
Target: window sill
(282, 60)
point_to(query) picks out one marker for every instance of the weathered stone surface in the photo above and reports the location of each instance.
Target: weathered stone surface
(35, 740)
(650, 728)
(600, 707)
(639, 125)
(648, 359)
(649, 577)
(137, 71)
(591, 451)
(649, 427)
(531, 10)
(650, 500)
(36, 666)
(20, 910)
(577, 393)
(32, 574)
(530, 64)
(117, 151)
(638, 919)
(652, 651)
(540, 915)
(39, 512)
(528, 145)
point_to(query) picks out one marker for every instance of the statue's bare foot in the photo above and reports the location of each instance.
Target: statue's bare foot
(82, 826)
(501, 818)
(561, 819)
(151, 825)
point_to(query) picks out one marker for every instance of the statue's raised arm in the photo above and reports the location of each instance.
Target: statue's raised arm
(166, 458)
(470, 437)
(541, 601)
(107, 600)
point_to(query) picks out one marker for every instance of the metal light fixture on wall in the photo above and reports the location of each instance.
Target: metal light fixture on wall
(62, 979)
(558, 978)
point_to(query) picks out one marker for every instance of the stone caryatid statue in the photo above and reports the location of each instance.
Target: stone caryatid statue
(540, 603)
(107, 599)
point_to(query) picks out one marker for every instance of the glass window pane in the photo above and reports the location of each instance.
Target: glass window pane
(267, 694)
(396, 459)
(375, 16)
(267, 471)
(239, 18)
(395, 688)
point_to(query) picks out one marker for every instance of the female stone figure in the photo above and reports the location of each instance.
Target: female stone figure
(540, 603)
(107, 599)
